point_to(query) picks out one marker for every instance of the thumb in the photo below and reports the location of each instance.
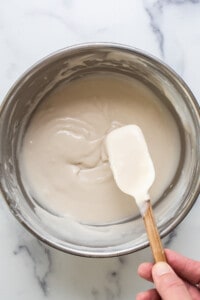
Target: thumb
(168, 284)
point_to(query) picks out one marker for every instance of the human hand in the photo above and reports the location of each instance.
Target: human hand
(182, 285)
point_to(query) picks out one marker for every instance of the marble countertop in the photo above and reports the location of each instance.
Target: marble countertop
(29, 30)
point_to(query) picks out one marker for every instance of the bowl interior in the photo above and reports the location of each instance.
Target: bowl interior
(72, 64)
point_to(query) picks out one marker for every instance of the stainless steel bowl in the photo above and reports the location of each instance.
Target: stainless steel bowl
(70, 64)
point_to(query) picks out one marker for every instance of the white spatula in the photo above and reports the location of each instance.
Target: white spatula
(134, 174)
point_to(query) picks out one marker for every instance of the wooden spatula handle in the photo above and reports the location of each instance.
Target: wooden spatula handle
(153, 234)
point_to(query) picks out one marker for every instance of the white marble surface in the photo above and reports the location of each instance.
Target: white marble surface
(31, 29)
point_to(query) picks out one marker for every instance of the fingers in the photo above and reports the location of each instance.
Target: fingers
(168, 284)
(186, 268)
(145, 271)
(148, 295)
(193, 291)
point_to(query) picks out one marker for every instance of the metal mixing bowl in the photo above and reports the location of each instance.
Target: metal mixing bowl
(70, 64)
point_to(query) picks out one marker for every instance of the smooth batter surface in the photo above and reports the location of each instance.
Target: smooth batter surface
(64, 162)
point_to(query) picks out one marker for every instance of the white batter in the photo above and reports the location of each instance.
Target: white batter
(63, 162)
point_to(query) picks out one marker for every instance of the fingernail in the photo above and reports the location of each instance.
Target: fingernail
(161, 268)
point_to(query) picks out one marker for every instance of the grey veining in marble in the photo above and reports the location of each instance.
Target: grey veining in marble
(41, 260)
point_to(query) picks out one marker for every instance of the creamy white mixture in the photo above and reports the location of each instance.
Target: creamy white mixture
(63, 161)
(131, 163)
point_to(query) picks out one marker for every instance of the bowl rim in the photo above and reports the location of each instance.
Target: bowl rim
(62, 53)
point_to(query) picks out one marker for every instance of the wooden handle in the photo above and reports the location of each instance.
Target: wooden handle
(153, 234)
